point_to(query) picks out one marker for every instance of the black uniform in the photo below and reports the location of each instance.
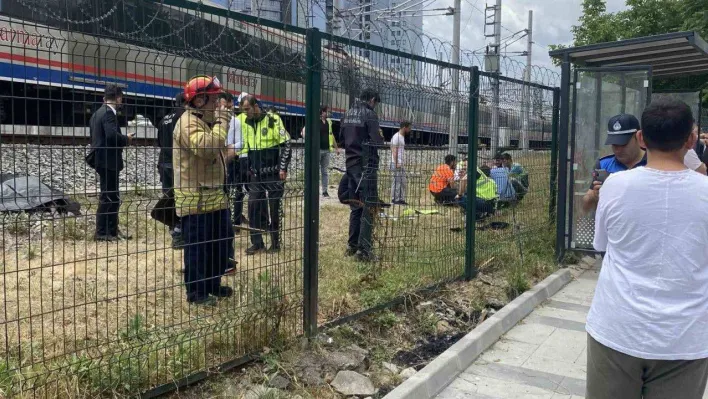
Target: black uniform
(165, 133)
(360, 132)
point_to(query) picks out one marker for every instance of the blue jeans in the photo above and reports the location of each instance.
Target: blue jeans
(209, 243)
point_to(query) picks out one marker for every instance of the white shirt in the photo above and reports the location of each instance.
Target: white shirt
(651, 299)
(691, 160)
(235, 136)
(398, 141)
(112, 109)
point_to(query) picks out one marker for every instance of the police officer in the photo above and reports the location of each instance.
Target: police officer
(361, 133)
(199, 158)
(626, 154)
(238, 167)
(267, 144)
(164, 166)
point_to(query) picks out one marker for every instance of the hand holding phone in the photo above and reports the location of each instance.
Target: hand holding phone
(600, 175)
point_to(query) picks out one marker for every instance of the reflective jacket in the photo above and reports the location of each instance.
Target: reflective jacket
(267, 144)
(486, 187)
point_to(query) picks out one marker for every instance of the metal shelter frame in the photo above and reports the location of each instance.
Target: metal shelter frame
(661, 56)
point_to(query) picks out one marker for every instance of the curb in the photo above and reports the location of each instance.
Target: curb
(434, 377)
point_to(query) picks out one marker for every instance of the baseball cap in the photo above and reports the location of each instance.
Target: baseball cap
(621, 128)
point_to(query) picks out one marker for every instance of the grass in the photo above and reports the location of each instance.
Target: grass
(85, 319)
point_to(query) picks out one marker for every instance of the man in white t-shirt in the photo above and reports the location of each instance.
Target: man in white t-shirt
(648, 323)
(398, 144)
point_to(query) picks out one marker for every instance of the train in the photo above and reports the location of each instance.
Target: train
(54, 66)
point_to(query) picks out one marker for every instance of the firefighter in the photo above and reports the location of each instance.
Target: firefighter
(267, 144)
(199, 158)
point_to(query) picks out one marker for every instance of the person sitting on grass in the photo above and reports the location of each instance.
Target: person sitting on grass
(500, 175)
(518, 176)
(442, 183)
(486, 194)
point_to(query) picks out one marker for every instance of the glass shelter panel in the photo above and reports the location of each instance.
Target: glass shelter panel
(598, 95)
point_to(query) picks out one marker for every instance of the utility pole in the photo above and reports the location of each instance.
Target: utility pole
(527, 87)
(329, 11)
(440, 71)
(492, 64)
(455, 74)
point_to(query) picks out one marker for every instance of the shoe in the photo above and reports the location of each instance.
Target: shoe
(205, 300)
(105, 238)
(365, 257)
(274, 248)
(325, 194)
(224, 292)
(400, 203)
(351, 251)
(254, 249)
(231, 269)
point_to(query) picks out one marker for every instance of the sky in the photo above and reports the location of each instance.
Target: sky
(552, 20)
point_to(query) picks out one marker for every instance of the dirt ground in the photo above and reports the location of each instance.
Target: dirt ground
(82, 318)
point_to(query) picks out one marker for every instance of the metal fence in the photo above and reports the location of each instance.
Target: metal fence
(84, 318)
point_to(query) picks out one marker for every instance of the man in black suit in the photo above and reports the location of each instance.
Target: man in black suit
(107, 142)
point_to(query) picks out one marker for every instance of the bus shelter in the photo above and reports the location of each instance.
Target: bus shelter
(597, 82)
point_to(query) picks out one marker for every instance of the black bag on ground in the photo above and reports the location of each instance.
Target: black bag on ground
(164, 211)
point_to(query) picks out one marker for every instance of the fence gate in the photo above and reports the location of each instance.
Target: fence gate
(598, 94)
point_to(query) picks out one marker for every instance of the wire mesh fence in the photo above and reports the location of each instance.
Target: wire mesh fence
(148, 241)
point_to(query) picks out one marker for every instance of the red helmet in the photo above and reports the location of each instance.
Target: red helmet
(201, 85)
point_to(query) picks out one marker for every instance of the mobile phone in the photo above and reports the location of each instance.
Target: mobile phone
(600, 175)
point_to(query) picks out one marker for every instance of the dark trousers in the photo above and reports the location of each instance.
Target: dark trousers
(482, 207)
(109, 203)
(167, 178)
(363, 188)
(446, 196)
(265, 195)
(209, 243)
(237, 182)
(612, 374)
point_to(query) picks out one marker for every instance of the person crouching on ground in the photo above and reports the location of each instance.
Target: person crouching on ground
(200, 156)
(648, 322)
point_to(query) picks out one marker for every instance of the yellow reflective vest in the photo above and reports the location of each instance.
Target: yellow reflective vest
(486, 187)
(262, 141)
(331, 135)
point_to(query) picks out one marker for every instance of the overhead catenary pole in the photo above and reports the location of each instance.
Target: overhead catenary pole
(527, 88)
(455, 75)
(329, 11)
(496, 47)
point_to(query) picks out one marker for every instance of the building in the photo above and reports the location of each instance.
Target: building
(394, 24)
(274, 10)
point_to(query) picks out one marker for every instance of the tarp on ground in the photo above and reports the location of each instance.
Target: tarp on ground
(28, 193)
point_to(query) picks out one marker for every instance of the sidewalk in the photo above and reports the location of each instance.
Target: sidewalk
(542, 357)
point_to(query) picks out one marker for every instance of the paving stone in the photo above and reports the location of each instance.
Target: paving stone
(530, 333)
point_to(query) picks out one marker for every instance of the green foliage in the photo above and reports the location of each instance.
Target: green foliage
(386, 319)
(643, 18)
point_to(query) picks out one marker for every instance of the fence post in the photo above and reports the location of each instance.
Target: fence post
(310, 262)
(472, 138)
(563, 137)
(554, 155)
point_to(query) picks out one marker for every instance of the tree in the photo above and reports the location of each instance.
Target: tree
(643, 18)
